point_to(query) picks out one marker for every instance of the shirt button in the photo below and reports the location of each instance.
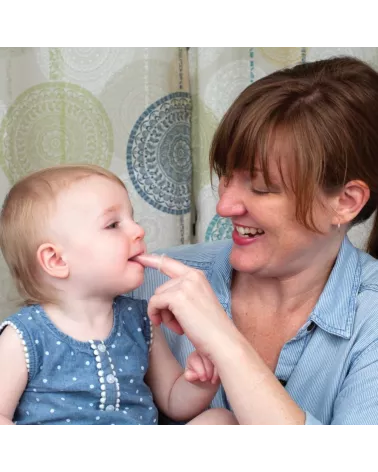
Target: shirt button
(101, 347)
(110, 378)
(311, 326)
(110, 408)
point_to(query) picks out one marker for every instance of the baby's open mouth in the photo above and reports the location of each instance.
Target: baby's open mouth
(132, 258)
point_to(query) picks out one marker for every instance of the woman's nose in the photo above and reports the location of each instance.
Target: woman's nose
(230, 202)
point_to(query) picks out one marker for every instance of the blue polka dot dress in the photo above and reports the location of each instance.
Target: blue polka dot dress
(94, 382)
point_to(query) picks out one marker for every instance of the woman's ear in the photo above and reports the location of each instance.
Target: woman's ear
(52, 261)
(350, 201)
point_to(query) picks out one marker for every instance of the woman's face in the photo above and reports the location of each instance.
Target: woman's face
(268, 240)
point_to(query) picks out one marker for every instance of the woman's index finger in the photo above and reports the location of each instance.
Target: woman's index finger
(163, 263)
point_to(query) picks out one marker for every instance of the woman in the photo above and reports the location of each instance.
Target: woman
(297, 158)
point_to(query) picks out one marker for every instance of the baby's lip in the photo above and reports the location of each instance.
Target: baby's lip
(149, 260)
(143, 251)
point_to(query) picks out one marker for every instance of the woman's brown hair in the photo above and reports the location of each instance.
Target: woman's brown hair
(323, 116)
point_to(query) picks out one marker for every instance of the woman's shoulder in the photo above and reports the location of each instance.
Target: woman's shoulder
(366, 299)
(197, 255)
(369, 271)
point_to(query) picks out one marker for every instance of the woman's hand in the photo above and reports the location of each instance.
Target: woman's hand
(186, 303)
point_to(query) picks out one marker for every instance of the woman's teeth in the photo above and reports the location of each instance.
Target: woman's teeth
(248, 232)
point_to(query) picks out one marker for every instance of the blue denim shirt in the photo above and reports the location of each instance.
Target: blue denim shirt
(330, 367)
(94, 382)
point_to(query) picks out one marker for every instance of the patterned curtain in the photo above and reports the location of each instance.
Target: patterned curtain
(217, 76)
(126, 109)
(147, 114)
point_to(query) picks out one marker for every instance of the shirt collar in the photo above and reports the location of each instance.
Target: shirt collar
(335, 310)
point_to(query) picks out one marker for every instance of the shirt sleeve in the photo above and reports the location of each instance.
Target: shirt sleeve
(357, 401)
(311, 420)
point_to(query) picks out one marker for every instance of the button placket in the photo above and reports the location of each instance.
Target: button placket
(109, 382)
(113, 380)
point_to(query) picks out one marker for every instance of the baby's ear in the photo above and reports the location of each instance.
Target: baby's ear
(52, 261)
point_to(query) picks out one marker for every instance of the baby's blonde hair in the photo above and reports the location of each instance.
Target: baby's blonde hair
(24, 222)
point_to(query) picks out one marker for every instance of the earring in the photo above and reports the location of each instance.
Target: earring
(338, 226)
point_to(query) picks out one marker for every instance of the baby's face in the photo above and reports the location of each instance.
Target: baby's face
(94, 224)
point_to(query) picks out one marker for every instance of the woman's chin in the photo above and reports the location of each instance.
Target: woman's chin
(243, 263)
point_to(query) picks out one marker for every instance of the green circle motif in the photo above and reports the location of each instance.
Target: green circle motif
(54, 123)
(282, 55)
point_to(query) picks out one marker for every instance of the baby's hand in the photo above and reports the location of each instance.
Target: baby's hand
(200, 368)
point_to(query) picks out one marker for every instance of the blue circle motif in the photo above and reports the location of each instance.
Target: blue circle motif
(219, 228)
(158, 154)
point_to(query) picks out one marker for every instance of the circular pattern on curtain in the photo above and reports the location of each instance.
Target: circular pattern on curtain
(219, 228)
(88, 65)
(283, 57)
(158, 154)
(52, 123)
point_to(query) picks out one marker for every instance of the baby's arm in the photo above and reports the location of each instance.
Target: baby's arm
(178, 398)
(13, 374)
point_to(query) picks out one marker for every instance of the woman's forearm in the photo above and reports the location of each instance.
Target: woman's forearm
(255, 395)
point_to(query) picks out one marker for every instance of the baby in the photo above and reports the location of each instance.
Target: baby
(79, 352)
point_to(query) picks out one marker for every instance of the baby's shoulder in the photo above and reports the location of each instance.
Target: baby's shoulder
(25, 320)
(132, 317)
(125, 306)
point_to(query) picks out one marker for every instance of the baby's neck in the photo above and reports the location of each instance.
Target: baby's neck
(82, 319)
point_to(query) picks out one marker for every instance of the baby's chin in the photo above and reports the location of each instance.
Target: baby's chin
(134, 280)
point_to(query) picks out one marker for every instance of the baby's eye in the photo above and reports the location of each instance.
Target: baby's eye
(113, 225)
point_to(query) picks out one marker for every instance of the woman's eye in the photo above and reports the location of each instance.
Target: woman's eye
(260, 192)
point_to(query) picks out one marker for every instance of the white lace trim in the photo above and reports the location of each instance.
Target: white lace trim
(20, 335)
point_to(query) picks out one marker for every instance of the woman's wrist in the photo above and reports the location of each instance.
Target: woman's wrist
(227, 344)
(251, 387)
(230, 347)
